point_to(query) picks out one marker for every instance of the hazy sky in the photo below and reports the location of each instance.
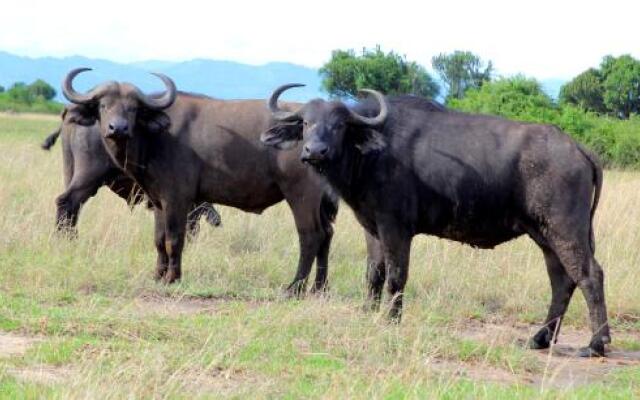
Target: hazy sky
(542, 38)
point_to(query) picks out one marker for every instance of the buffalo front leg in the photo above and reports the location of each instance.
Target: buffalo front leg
(376, 273)
(68, 204)
(175, 220)
(396, 247)
(562, 288)
(67, 216)
(326, 215)
(162, 263)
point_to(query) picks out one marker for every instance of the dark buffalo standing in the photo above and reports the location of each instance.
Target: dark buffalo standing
(183, 148)
(87, 167)
(474, 179)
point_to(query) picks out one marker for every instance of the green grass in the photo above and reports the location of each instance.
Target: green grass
(105, 329)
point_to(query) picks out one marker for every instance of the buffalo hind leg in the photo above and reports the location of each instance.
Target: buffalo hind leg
(193, 225)
(197, 212)
(562, 288)
(592, 288)
(376, 273)
(311, 237)
(581, 266)
(309, 245)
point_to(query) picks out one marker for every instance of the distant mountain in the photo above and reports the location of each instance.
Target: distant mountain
(221, 79)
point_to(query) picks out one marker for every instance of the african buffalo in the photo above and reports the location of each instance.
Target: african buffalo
(183, 148)
(475, 179)
(87, 167)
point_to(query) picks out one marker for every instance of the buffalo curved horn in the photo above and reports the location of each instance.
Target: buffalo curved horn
(282, 115)
(79, 98)
(162, 101)
(372, 121)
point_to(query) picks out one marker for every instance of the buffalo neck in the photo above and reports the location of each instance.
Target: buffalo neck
(131, 156)
(349, 174)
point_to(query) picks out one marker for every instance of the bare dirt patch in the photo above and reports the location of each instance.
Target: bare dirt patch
(561, 367)
(12, 345)
(181, 306)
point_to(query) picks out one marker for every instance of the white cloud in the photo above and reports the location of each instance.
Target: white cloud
(541, 38)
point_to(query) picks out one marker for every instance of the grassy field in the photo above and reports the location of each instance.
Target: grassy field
(84, 318)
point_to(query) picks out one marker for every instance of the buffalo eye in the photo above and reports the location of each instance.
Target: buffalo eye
(103, 106)
(305, 124)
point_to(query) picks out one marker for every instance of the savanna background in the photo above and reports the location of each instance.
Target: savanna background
(83, 318)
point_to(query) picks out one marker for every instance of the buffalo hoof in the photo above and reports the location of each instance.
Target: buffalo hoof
(371, 306)
(67, 232)
(160, 273)
(319, 289)
(591, 352)
(171, 276)
(394, 317)
(295, 290)
(541, 340)
(213, 218)
(595, 348)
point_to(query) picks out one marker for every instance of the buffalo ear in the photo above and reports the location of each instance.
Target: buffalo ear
(153, 121)
(283, 136)
(369, 141)
(85, 115)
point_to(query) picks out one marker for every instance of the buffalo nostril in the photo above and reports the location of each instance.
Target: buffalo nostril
(112, 128)
(307, 150)
(324, 151)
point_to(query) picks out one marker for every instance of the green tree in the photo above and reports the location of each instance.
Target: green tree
(40, 88)
(1, 89)
(586, 91)
(461, 71)
(346, 73)
(516, 97)
(621, 85)
(613, 88)
(19, 92)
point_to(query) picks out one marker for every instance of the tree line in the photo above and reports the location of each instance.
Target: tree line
(600, 107)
